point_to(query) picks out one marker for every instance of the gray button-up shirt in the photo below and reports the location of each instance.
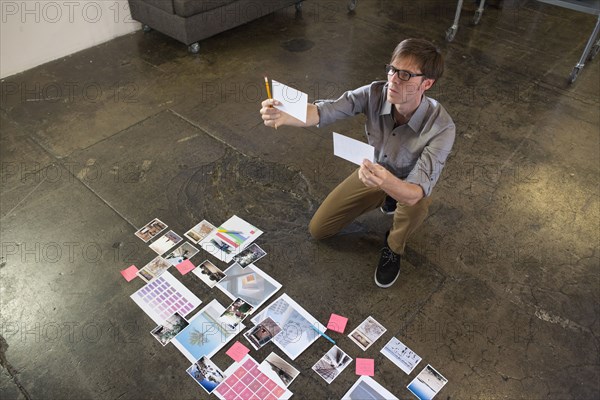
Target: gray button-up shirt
(416, 151)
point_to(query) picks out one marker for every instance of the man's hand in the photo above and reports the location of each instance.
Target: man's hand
(275, 118)
(271, 116)
(373, 175)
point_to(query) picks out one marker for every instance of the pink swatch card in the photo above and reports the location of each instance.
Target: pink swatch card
(129, 273)
(185, 267)
(365, 366)
(337, 323)
(237, 351)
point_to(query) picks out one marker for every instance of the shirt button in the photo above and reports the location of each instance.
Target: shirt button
(393, 134)
(368, 133)
(385, 156)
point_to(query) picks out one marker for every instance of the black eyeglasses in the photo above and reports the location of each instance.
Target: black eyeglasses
(402, 74)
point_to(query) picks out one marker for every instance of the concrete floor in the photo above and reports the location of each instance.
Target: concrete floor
(500, 287)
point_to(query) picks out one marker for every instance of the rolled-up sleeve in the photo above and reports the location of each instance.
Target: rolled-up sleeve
(428, 167)
(351, 103)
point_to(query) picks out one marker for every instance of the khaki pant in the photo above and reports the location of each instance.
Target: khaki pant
(352, 198)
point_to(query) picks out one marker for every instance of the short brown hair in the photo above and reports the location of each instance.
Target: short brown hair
(425, 53)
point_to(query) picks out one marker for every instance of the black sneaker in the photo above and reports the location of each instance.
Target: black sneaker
(389, 205)
(388, 270)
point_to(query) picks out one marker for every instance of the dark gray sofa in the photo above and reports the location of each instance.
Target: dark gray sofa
(190, 21)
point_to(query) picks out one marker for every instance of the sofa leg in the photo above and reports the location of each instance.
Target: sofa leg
(194, 48)
(146, 28)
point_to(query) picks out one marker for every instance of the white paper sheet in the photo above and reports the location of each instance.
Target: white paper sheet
(367, 388)
(206, 334)
(294, 102)
(351, 149)
(295, 322)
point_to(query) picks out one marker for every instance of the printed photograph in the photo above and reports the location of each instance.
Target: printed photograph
(251, 254)
(236, 313)
(230, 238)
(200, 231)
(427, 384)
(366, 388)
(296, 324)
(332, 364)
(276, 365)
(206, 374)
(165, 242)
(208, 273)
(180, 254)
(153, 269)
(151, 229)
(250, 283)
(169, 329)
(219, 244)
(206, 334)
(367, 333)
(262, 333)
(401, 355)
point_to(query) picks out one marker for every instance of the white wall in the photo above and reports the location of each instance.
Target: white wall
(33, 32)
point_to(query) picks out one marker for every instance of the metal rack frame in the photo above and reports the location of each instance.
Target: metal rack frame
(586, 6)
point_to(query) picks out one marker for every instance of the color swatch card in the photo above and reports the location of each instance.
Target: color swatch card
(206, 334)
(164, 296)
(230, 239)
(246, 381)
(293, 101)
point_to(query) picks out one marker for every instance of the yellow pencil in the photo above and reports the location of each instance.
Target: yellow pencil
(269, 95)
(267, 86)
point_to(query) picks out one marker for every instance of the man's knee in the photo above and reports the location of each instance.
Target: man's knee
(317, 232)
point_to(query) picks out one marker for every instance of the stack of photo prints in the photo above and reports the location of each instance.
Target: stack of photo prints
(170, 304)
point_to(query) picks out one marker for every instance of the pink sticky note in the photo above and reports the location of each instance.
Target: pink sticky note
(365, 366)
(237, 351)
(185, 267)
(129, 273)
(337, 323)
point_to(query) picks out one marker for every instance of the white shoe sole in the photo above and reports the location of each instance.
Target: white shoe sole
(382, 285)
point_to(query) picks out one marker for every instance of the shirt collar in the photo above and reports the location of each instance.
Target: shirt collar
(416, 120)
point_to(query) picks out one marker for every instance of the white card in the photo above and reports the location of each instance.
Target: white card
(351, 149)
(367, 388)
(293, 101)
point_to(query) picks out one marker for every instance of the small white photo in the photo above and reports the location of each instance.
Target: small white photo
(351, 149)
(293, 101)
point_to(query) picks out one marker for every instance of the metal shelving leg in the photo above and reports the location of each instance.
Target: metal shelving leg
(451, 32)
(586, 52)
(478, 13)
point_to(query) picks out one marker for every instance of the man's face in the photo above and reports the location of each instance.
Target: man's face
(407, 92)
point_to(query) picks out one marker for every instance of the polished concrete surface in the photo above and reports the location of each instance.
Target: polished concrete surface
(499, 289)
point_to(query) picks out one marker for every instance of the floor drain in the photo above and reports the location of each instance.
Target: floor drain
(297, 45)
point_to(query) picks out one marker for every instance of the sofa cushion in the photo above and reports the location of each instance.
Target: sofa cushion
(165, 5)
(187, 8)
